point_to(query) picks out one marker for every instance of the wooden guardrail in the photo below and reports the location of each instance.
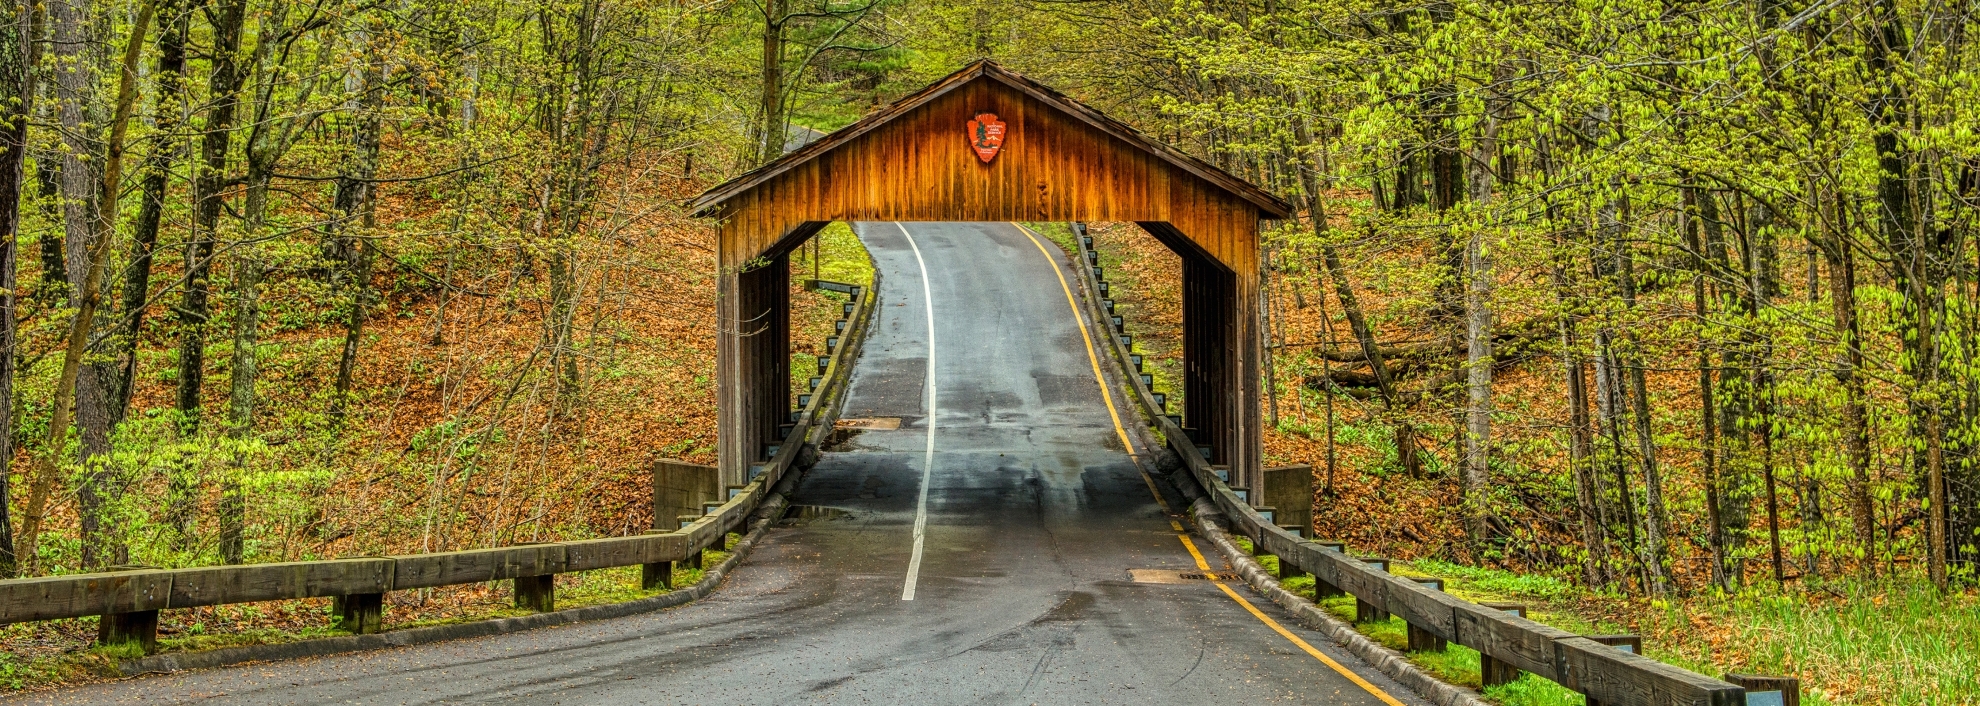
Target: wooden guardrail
(1505, 641)
(129, 600)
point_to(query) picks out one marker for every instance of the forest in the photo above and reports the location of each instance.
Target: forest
(1664, 298)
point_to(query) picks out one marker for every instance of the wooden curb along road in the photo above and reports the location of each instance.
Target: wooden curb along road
(1603, 673)
(129, 601)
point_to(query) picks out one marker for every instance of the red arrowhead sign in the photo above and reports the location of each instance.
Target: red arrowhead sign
(986, 136)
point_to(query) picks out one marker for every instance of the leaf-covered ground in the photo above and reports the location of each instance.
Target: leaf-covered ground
(457, 437)
(1888, 642)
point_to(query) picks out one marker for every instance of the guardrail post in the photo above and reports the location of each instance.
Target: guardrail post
(1287, 570)
(140, 626)
(536, 593)
(1421, 640)
(1768, 691)
(360, 613)
(1365, 612)
(1492, 672)
(656, 575)
(1322, 589)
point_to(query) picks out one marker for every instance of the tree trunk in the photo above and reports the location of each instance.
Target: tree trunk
(216, 145)
(568, 201)
(1610, 400)
(1271, 348)
(1914, 262)
(1762, 284)
(1732, 396)
(1478, 376)
(54, 285)
(353, 198)
(1646, 446)
(244, 365)
(1478, 314)
(1855, 415)
(75, 84)
(772, 104)
(16, 79)
(563, 315)
(1587, 484)
(1708, 409)
(270, 139)
(76, 386)
(1365, 335)
(166, 112)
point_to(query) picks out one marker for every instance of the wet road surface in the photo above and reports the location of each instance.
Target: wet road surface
(1032, 517)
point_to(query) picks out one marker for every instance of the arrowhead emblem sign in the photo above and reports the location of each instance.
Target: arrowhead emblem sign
(986, 136)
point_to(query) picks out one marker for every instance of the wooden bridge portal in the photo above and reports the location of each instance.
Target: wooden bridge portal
(937, 155)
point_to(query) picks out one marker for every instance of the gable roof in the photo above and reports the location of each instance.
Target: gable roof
(1273, 206)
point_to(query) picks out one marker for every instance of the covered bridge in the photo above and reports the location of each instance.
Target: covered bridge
(986, 144)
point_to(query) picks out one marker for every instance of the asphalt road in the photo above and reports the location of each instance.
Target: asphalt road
(1032, 517)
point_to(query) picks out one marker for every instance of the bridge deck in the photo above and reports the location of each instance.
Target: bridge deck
(1034, 517)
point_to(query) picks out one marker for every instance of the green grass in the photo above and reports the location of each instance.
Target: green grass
(1898, 641)
(841, 256)
(1456, 664)
(1060, 233)
(1493, 581)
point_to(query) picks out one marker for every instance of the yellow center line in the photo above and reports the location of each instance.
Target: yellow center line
(1317, 654)
(1105, 393)
(1193, 554)
(1115, 414)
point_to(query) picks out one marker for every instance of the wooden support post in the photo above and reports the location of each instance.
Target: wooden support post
(1768, 691)
(359, 613)
(1365, 612)
(694, 560)
(536, 593)
(1321, 588)
(1492, 672)
(656, 576)
(1287, 570)
(1632, 644)
(139, 627)
(1421, 640)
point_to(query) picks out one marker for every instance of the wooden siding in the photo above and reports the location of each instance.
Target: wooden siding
(1053, 167)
